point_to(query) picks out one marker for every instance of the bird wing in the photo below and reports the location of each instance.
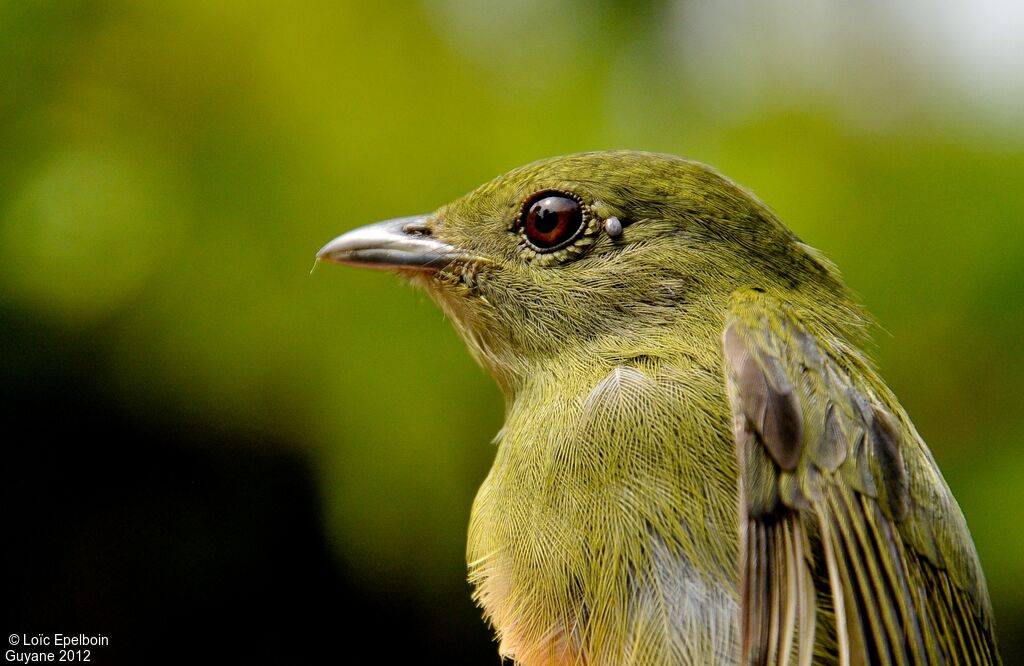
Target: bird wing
(852, 548)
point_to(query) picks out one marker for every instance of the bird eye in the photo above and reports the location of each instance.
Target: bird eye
(551, 219)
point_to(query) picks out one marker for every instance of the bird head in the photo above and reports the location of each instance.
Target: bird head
(579, 257)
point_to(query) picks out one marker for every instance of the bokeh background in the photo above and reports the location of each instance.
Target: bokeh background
(210, 452)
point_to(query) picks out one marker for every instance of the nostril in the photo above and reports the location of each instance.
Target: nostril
(417, 228)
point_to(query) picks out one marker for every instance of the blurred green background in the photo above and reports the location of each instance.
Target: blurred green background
(200, 431)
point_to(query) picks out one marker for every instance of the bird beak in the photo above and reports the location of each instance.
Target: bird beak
(403, 243)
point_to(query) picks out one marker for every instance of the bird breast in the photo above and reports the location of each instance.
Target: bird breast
(605, 531)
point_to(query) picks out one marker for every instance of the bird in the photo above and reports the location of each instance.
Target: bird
(699, 464)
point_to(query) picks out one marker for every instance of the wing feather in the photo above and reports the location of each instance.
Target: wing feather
(846, 525)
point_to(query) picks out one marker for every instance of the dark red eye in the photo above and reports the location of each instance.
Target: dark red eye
(551, 219)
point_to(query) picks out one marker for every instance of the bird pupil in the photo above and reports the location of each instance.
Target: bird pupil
(546, 220)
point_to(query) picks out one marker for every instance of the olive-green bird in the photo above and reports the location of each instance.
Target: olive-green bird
(699, 464)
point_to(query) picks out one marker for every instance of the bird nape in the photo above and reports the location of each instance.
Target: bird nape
(699, 463)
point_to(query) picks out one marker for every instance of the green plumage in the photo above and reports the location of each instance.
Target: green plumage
(657, 498)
